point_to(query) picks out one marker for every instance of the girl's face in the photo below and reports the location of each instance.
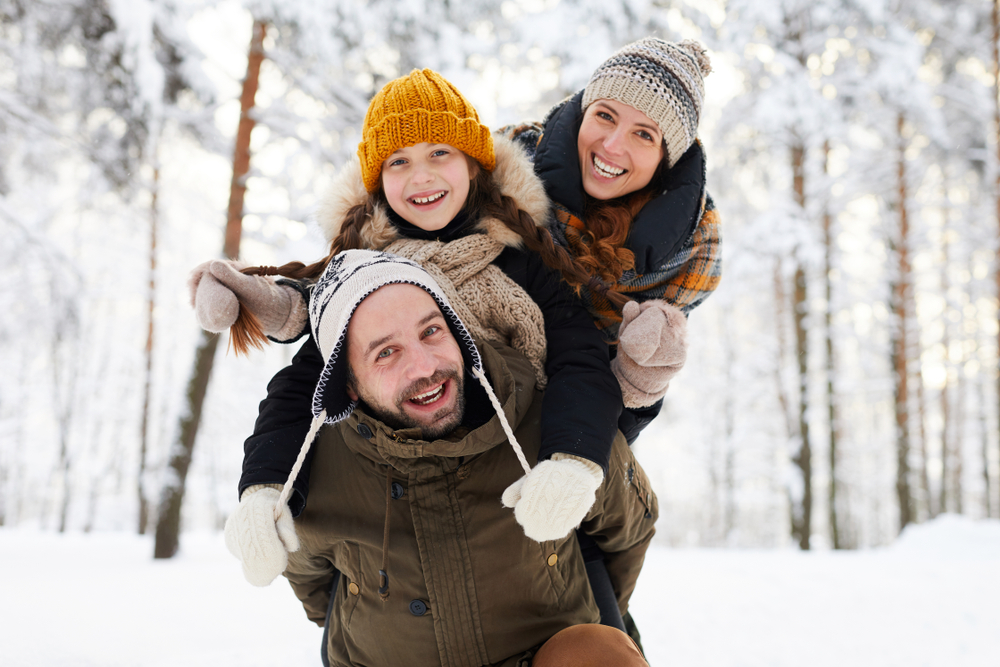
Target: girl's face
(619, 149)
(427, 184)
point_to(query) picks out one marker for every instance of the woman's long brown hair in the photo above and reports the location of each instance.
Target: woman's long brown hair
(601, 247)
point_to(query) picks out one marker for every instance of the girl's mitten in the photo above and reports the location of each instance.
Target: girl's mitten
(218, 289)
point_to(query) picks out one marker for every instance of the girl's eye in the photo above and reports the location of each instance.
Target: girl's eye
(397, 161)
(440, 151)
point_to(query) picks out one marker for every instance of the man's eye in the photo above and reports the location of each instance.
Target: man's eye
(430, 331)
(385, 353)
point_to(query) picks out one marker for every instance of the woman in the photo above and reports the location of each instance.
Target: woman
(632, 206)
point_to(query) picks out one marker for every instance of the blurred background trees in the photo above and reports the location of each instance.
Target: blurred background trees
(842, 382)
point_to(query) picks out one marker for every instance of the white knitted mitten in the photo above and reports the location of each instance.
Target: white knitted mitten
(218, 289)
(252, 535)
(553, 498)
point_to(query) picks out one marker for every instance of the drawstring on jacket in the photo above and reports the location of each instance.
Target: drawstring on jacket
(383, 574)
(317, 423)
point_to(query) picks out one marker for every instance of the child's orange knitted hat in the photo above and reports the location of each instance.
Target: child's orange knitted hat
(420, 107)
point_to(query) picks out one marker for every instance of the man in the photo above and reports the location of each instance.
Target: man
(405, 512)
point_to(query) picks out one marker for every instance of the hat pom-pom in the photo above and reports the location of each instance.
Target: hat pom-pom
(700, 54)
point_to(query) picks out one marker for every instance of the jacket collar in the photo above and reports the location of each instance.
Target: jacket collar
(662, 226)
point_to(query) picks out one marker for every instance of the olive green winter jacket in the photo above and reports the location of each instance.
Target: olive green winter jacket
(466, 587)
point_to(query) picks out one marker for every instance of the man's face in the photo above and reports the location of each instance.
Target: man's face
(404, 362)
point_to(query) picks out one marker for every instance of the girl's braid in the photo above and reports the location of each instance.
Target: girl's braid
(246, 331)
(539, 240)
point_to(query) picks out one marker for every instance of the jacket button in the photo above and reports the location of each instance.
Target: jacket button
(552, 560)
(364, 431)
(463, 471)
(418, 607)
(354, 588)
(397, 491)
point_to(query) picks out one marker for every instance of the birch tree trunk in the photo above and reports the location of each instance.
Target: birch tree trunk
(150, 309)
(946, 345)
(900, 301)
(996, 192)
(802, 523)
(984, 436)
(169, 515)
(831, 366)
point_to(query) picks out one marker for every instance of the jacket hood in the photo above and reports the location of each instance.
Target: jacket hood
(512, 379)
(513, 173)
(681, 198)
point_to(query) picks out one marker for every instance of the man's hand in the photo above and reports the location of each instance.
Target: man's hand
(555, 496)
(218, 289)
(652, 347)
(252, 535)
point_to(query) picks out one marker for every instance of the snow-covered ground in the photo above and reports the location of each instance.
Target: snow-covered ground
(933, 598)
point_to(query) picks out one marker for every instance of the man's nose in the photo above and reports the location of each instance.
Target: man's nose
(423, 363)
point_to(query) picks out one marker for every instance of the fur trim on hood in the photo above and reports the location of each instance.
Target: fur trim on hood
(513, 173)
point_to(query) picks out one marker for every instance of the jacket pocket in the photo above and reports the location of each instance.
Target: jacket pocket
(636, 478)
(550, 555)
(351, 586)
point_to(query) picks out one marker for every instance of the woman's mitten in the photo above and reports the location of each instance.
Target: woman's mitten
(260, 543)
(218, 289)
(555, 496)
(652, 347)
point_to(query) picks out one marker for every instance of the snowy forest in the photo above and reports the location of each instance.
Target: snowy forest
(842, 383)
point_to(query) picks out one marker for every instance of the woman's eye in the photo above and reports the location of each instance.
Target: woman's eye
(643, 134)
(604, 115)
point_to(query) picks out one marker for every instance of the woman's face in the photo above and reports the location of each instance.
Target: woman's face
(619, 149)
(427, 184)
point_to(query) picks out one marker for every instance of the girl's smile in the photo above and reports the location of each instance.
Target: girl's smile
(427, 184)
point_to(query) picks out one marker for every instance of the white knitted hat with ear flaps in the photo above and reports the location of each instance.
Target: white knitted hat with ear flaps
(349, 279)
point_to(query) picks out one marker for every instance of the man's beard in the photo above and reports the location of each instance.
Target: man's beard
(444, 421)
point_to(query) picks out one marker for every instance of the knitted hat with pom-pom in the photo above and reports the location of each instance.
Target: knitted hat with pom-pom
(664, 80)
(420, 107)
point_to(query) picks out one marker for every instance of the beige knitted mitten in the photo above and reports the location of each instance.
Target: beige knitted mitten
(555, 496)
(218, 289)
(652, 347)
(252, 535)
